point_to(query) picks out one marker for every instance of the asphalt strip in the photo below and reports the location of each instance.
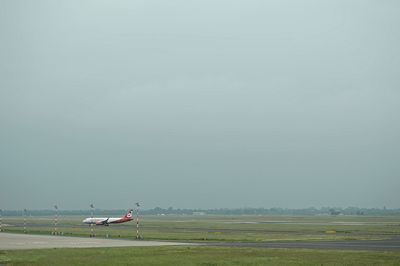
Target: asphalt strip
(25, 241)
(377, 245)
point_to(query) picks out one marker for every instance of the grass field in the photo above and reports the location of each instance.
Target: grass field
(211, 228)
(195, 256)
(224, 228)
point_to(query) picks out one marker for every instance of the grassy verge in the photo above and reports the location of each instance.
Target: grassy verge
(195, 256)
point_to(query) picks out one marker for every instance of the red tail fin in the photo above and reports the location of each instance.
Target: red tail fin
(129, 214)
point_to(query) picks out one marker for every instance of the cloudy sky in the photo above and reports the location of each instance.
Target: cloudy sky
(199, 104)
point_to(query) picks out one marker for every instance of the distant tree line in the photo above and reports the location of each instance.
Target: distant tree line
(276, 211)
(222, 211)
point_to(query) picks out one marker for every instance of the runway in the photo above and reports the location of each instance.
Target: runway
(377, 245)
(24, 241)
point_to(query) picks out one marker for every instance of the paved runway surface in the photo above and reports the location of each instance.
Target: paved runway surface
(382, 245)
(23, 241)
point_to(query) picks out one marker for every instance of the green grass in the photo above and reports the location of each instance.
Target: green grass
(212, 228)
(195, 256)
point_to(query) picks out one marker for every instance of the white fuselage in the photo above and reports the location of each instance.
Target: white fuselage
(97, 220)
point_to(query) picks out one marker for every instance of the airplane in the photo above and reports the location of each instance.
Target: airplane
(110, 220)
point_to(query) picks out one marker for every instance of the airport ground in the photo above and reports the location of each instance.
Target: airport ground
(223, 240)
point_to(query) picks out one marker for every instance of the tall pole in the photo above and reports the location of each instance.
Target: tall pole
(25, 211)
(1, 220)
(55, 219)
(137, 220)
(91, 222)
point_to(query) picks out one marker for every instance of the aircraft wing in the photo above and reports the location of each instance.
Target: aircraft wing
(103, 222)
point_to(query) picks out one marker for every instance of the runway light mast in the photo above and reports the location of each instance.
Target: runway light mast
(91, 216)
(55, 219)
(25, 213)
(137, 220)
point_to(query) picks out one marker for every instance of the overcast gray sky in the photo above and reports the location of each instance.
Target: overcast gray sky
(199, 104)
